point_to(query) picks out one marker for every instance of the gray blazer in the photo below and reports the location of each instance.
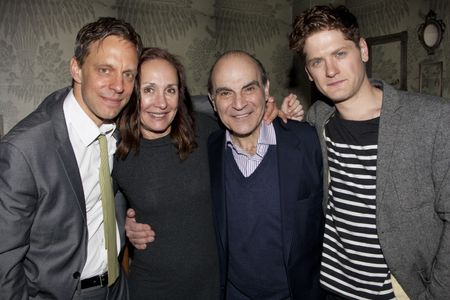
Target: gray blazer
(413, 188)
(42, 208)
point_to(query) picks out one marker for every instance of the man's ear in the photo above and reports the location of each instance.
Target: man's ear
(364, 50)
(309, 75)
(75, 70)
(211, 99)
(267, 89)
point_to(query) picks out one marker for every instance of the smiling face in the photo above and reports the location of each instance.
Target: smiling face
(239, 96)
(159, 94)
(336, 65)
(104, 83)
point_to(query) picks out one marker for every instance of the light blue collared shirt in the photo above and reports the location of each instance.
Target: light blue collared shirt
(248, 163)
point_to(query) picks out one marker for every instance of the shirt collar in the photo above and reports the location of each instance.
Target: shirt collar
(266, 137)
(84, 126)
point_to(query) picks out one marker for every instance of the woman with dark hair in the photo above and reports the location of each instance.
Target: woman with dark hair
(162, 169)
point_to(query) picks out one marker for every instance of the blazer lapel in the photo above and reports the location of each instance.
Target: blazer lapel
(320, 128)
(390, 122)
(288, 175)
(65, 150)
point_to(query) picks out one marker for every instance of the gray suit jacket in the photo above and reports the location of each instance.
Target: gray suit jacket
(413, 188)
(42, 208)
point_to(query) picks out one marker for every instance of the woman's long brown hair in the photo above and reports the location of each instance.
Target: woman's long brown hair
(182, 127)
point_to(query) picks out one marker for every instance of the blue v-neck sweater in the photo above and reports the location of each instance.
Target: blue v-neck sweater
(256, 266)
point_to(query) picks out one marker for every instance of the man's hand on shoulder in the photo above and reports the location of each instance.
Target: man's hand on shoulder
(291, 108)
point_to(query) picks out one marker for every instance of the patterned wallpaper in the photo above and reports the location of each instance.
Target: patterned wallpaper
(37, 38)
(34, 51)
(382, 17)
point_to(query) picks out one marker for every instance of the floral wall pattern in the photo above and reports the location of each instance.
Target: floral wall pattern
(382, 17)
(37, 38)
(244, 24)
(33, 60)
(379, 16)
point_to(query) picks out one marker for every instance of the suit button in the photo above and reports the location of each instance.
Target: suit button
(76, 275)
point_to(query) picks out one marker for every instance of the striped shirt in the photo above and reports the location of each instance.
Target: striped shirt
(353, 264)
(248, 163)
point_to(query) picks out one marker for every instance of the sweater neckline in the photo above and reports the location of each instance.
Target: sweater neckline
(156, 142)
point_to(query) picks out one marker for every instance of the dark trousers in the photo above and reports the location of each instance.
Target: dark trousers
(117, 291)
(234, 294)
(331, 296)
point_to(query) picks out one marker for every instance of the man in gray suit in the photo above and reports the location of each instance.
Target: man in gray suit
(51, 216)
(387, 153)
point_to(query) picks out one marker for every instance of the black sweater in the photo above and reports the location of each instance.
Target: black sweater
(173, 197)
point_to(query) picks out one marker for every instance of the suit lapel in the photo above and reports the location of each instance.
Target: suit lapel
(65, 150)
(390, 122)
(288, 175)
(320, 128)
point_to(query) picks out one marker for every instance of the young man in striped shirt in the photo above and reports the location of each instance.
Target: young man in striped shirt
(387, 162)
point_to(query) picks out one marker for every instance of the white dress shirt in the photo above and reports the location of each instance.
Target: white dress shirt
(83, 133)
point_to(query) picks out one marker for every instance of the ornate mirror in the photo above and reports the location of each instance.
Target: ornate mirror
(431, 32)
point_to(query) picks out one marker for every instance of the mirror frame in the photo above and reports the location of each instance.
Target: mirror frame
(431, 19)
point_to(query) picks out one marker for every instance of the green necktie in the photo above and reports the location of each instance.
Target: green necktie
(109, 211)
